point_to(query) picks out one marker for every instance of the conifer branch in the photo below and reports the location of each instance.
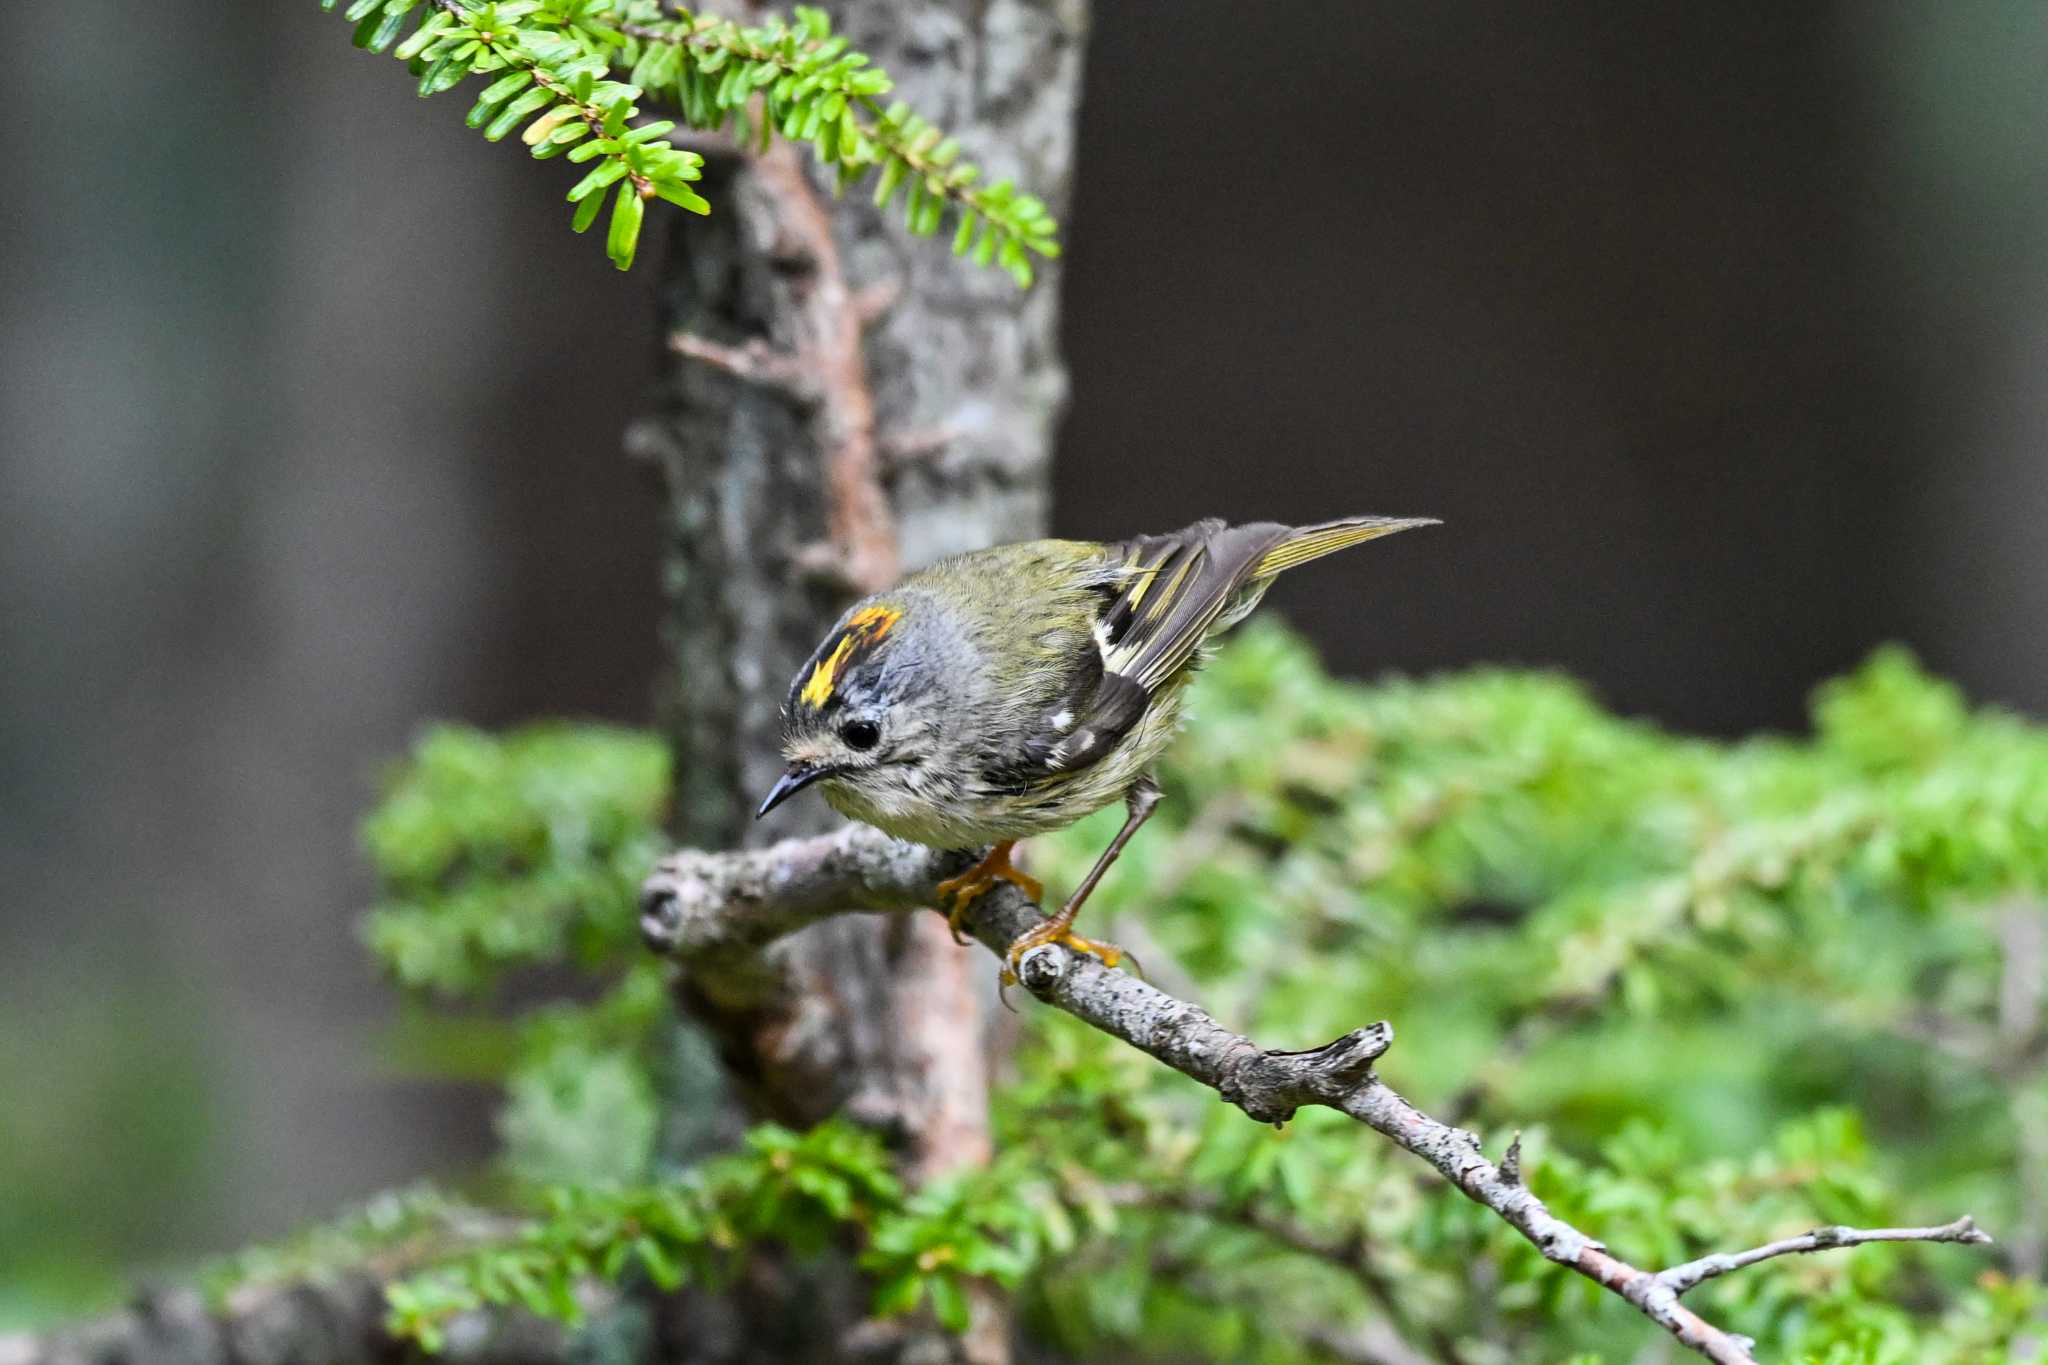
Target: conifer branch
(800, 80)
(556, 61)
(713, 911)
(552, 78)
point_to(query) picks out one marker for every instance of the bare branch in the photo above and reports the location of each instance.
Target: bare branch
(1679, 1278)
(902, 449)
(701, 907)
(873, 302)
(756, 362)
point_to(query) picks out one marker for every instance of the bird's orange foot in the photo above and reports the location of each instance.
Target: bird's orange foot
(1052, 931)
(971, 885)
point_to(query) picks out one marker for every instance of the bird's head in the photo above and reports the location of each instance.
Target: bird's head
(862, 717)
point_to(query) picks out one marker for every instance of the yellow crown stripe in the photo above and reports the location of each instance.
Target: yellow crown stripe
(863, 630)
(874, 621)
(818, 690)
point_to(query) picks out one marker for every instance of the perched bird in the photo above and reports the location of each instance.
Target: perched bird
(1009, 692)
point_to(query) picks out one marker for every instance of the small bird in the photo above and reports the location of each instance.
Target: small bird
(1008, 692)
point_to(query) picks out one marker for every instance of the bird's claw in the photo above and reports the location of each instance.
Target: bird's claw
(956, 916)
(1108, 954)
(976, 882)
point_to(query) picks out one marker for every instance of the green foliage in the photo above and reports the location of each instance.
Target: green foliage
(691, 1229)
(1726, 992)
(555, 66)
(830, 1187)
(799, 1191)
(578, 1114)
(1674, 961)
(494, 854)
(109, 1112)
(419, 1220)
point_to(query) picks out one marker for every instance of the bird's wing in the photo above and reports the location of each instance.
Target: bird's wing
(1176, 587)
(1162, 595)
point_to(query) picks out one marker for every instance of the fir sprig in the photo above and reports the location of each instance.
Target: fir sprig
(548, 78)
(801, 80)
(801, 1191)
(555, 64)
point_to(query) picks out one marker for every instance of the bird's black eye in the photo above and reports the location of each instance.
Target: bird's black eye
(861, 734)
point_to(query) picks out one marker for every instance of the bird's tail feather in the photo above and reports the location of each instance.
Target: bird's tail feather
(1313, 542)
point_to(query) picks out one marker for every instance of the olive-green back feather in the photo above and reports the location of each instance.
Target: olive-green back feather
(1074, 641)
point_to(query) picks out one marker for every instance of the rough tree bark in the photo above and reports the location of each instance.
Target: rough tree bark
(841, 402)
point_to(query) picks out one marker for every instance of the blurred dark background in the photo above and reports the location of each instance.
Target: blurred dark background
(1716, 333)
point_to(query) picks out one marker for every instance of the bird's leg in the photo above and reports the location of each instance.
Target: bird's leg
(1139, 803)
(965, 889)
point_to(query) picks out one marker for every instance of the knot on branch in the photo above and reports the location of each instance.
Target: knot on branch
(661, 917)
(1269, 1086)
(1511, 1164)
(1039, 970)
(661, 912)
(694, 902)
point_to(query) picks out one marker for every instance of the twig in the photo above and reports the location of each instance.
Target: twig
(756, 362)
(1680, 1278)
(901, 449)
(701, 906)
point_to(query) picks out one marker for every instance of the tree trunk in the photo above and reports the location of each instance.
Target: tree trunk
(838, 402)
(841, 402)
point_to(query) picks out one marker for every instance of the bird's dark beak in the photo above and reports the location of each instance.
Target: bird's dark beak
(799, 776)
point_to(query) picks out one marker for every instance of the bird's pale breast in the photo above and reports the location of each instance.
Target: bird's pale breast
(952, 816)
